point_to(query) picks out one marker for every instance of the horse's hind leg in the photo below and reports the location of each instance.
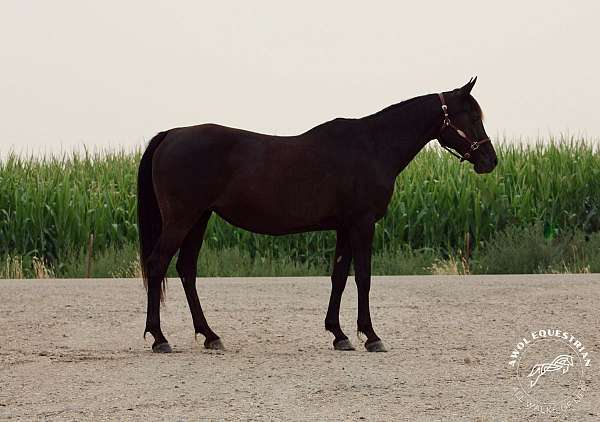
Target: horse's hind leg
(187, 264)
(339, 276)
(158, 262)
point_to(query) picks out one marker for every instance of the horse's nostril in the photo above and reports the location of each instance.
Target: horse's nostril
(495, 160)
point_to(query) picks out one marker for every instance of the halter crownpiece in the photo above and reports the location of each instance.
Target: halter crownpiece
(473, 145)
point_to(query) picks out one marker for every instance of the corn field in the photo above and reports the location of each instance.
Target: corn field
(50, 206)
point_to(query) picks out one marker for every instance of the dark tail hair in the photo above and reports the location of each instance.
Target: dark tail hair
(149, 218)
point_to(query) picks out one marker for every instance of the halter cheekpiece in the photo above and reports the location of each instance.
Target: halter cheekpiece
(473, 145)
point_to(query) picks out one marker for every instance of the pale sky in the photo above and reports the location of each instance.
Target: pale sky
(113, 73)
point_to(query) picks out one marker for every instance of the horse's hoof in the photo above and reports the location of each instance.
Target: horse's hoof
(343, 344)
(162, 348)
(375, 346)
(214, 344)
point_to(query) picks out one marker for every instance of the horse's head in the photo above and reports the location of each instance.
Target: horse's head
(462, 129)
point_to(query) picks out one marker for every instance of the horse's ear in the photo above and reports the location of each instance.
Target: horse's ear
(466, 89)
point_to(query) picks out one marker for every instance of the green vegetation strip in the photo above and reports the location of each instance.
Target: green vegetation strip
(50, 207)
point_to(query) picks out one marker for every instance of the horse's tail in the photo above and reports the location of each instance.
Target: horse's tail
(149, 217)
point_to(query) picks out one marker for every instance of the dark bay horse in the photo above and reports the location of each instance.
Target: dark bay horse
(337, 176)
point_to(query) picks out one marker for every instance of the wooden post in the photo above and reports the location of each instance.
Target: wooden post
(467, 254)
(468, 244)
(90, 253)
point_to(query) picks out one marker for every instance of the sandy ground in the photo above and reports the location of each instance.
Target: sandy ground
(73, 349)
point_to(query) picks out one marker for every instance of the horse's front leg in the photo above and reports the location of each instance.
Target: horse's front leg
(361, 243)
(339, 275)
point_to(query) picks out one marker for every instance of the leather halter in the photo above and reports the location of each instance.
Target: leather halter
(473, 145)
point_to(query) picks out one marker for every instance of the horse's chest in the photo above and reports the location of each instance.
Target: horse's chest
(373, 196)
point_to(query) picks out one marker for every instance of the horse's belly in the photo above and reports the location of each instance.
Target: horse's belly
(276, 218)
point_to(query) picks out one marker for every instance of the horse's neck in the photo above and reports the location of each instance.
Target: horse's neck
(401, 131)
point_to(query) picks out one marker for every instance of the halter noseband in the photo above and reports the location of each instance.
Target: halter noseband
(473, 145)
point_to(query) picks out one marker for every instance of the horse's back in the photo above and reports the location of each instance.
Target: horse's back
(262, 183)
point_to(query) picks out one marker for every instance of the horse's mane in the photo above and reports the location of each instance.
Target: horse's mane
(476, 106)
(400, 105)
(397, 106)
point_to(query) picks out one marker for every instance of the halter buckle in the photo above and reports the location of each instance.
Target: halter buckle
(474, 146)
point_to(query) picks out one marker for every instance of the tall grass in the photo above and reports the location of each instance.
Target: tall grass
(50, 206)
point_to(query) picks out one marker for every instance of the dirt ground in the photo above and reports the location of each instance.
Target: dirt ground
(73, 349)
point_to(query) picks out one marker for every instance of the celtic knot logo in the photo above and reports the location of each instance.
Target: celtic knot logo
(531, 358)
(563, 362)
